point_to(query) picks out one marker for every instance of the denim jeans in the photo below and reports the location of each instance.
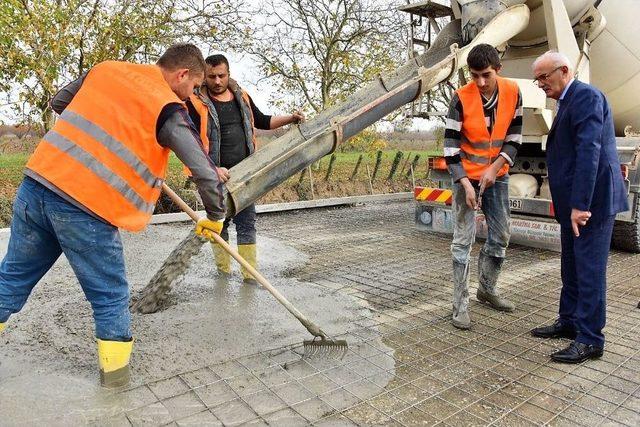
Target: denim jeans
(45, 225)
(495, 206)
(245, 222)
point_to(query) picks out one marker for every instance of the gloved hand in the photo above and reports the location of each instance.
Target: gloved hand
(206, 227)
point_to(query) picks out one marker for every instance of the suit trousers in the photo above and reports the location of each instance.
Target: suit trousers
(583, 298)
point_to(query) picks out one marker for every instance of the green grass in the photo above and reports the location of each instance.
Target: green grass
(12, 167)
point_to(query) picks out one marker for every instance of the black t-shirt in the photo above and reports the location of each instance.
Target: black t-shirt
(233, 144)
(233, 140)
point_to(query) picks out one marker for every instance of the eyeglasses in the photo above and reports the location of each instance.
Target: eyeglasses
(545, 77)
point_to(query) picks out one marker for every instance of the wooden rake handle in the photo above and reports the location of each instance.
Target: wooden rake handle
(311, 327)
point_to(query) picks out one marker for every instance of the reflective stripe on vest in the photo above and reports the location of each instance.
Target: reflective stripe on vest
(478, 148)
(93, 164)
(103, 151)
(116, 147)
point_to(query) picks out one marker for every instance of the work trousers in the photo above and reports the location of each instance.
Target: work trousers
(583, 299)
(245, 222)
(45, 225)
(495, 206)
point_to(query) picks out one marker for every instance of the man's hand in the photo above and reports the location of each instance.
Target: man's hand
(470, 193)
(206, 227)
(223, 174)
(579, 219)
(488, 178)
(297, 117)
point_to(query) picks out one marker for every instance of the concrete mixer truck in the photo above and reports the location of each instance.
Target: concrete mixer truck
(602, 39)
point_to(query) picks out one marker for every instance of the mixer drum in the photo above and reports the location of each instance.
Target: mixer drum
(614, 55)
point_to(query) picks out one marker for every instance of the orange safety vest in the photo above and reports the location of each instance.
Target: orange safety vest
(203, 112)
(478, 148)
(103, 150)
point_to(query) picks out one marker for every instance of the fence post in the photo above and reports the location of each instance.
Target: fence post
(377, 165)
(413, 165)
(355, 170)
(369, 176)
(406, 161)
(332, 160)
(394, 165)
(313, 196)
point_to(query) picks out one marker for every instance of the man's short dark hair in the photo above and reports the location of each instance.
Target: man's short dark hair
(483, 56)
(182, 55)
(215, 60)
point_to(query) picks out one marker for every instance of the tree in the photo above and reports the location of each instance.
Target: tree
(46, 43)
(317, 52)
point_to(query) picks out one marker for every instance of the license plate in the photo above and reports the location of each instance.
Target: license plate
(515, 204)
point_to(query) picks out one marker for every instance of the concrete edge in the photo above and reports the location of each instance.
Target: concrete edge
(289, 206)
(281, 207)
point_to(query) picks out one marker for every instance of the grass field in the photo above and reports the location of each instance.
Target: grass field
(339, 182)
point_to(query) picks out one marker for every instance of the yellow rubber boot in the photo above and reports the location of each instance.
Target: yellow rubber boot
(222, 257)
(2, 327)
(113, 357)
(249, 253)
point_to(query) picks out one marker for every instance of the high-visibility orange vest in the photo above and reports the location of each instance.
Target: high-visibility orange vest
(203, 112)
(103, 150)
(478, 148)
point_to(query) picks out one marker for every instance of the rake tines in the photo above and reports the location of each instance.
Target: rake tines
(325, 348)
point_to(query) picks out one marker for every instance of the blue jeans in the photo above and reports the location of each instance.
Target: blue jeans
(45, 225)
(495, 206)
(245, 222)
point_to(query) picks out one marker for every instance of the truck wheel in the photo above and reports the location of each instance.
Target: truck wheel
(626, 235)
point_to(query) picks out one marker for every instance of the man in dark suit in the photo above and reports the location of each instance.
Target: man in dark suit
(588, 191)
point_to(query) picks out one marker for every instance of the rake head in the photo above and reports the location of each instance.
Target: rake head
(325, 347)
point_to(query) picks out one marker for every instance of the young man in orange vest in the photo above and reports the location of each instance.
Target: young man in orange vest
(227, 119)
(99, 169)
(482, 136)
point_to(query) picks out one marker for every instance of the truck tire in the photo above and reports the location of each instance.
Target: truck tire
(626, 235)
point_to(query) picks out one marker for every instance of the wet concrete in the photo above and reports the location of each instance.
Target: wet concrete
(209, 320)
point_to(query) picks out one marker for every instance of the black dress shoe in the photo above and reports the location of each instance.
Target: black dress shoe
(577, 352)
(557, 330)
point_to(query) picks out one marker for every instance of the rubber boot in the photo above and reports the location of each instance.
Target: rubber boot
(460, 318)
(113, 357)
(488, 271)
(249, 253)
(223, 259)
(2, 327)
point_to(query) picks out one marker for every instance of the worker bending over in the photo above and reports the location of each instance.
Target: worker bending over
(99, 169)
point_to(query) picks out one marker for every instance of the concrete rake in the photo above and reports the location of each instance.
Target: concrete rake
(322, 345)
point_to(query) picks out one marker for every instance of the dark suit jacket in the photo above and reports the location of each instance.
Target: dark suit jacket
(584, 170)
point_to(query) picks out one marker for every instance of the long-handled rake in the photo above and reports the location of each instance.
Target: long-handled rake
(322, 344)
